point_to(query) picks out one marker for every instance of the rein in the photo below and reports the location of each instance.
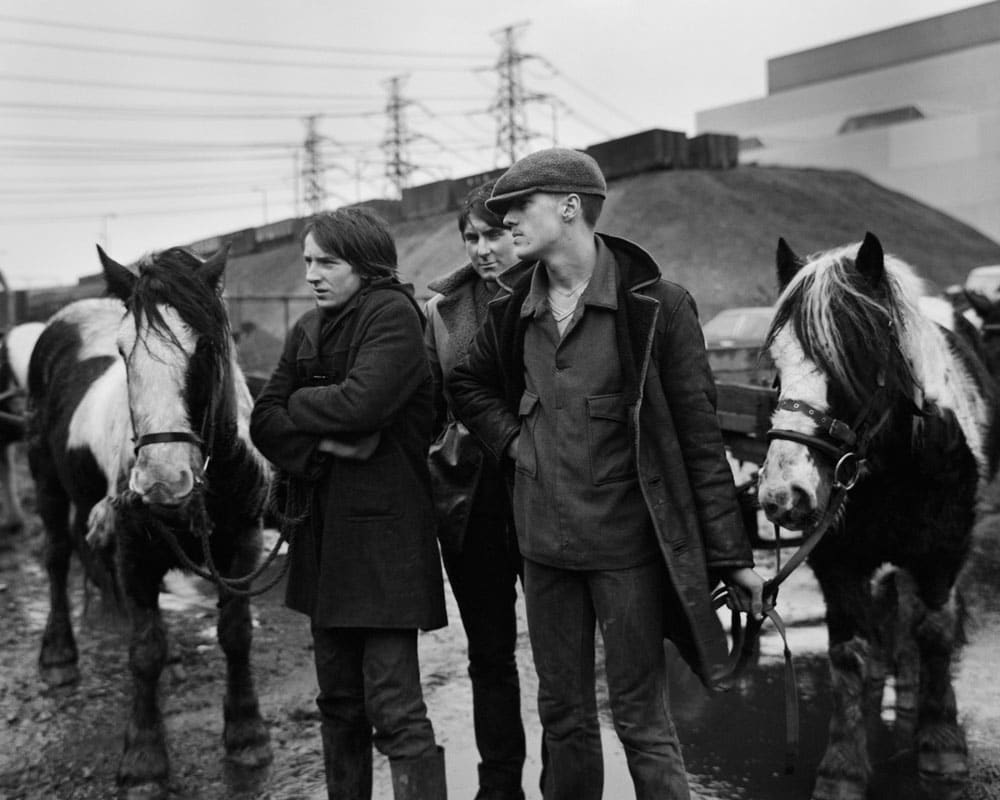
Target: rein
(205, 441)
(847, 445)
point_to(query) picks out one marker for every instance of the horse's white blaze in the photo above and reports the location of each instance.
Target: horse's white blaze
(163, 472)
(100, 423)
(788, 463)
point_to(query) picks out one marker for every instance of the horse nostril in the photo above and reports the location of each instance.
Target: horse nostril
(800, 501)
(770, 509)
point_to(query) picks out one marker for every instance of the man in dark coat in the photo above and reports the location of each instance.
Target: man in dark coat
(590, 378)
(347, 417)
(474, 527)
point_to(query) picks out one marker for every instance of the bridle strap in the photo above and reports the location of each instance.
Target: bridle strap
(165, 437)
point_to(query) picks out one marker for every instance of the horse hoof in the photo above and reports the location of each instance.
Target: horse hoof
(144, 791)
(251, 757)
(944, 776)
(832, 789)
(56, 675)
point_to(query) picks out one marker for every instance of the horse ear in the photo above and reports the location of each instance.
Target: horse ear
(788, 263)
(120, 280)
(211, 270)
(870, 261)
(980, 303)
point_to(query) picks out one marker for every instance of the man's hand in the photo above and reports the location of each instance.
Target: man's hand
(512, 448)
(357, 450)
(749, 588)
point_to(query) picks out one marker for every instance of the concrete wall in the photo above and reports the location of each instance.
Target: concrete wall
(949, 160)
(968, 27)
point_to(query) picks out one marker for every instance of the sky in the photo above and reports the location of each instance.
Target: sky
(140, 125)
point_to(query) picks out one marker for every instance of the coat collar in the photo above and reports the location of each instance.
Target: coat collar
(447, 284)
(634, 322)
(637, 267)
(316, 320)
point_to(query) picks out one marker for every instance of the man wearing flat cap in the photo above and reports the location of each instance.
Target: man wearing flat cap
(590, 379)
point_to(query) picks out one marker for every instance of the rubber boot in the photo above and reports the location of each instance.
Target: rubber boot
(419, 778)
(347, 757)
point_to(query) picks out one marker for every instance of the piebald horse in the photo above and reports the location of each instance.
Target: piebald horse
(862, 368)
(15, 353)
(140, 425)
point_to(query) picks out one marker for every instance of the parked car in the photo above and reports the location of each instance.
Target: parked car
(738, 327)
(984, 280)
(735, 342)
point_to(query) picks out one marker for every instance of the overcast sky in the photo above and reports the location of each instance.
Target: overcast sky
(143, 125)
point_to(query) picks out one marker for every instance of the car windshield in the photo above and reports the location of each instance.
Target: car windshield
(742, 324)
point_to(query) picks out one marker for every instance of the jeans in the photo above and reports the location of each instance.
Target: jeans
(483, 578)
(369, 678)
(563, 608)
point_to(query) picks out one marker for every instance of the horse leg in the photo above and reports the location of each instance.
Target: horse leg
(897, 606)
(144, 764)
(844, 770)
(57, 661)
(942, 752)
(14, 520)
(245, 734)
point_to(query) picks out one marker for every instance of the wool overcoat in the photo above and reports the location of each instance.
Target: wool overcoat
(456, 460)
(363, 552)
(669, 399)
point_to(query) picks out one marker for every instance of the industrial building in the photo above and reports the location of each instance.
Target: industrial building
(915, 108)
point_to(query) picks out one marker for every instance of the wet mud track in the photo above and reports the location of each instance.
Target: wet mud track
(65, 743)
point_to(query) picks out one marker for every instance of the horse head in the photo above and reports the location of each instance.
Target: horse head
(834, 341)
(174, 340)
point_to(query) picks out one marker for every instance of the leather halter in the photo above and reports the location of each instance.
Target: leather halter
(846, 445)
(203, 441)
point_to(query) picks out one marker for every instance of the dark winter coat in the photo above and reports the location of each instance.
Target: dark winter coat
(366, 555)
(677, 442)
(457, 463)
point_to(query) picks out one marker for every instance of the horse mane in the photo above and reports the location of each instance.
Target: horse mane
(849, 328)
(846, 326)
(170, 278)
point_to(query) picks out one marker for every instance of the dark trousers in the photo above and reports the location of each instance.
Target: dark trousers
(563, 608)
(369, 680)
(483, 578)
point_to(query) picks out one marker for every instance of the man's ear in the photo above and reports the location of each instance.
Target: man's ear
(571, 207)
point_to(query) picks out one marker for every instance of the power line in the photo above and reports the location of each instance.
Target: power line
(139, 87)
(49, 110)
(219, 59)
(589, 93)
(166, 144)
(325, 49)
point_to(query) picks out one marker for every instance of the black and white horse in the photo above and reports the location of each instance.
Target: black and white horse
(15, 353)
(861, 366)
(140, 427)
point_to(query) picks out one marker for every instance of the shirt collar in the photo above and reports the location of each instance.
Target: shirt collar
(601, 291)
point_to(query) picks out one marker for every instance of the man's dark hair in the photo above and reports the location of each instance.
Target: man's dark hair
(475, 204)
(590, 206)
(358, 236)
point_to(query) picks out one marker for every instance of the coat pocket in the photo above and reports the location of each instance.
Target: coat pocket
(527, 452)
(610, 446)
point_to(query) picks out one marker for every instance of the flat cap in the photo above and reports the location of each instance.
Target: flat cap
(558, 170)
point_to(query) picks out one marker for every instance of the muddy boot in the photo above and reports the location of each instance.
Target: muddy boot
(347, 757)
(419, 778)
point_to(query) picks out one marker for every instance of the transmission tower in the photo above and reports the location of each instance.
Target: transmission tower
(513, 134)
(398, 167)
(312, 169)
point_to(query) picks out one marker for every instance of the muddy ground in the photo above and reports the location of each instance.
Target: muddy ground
(65, 743)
